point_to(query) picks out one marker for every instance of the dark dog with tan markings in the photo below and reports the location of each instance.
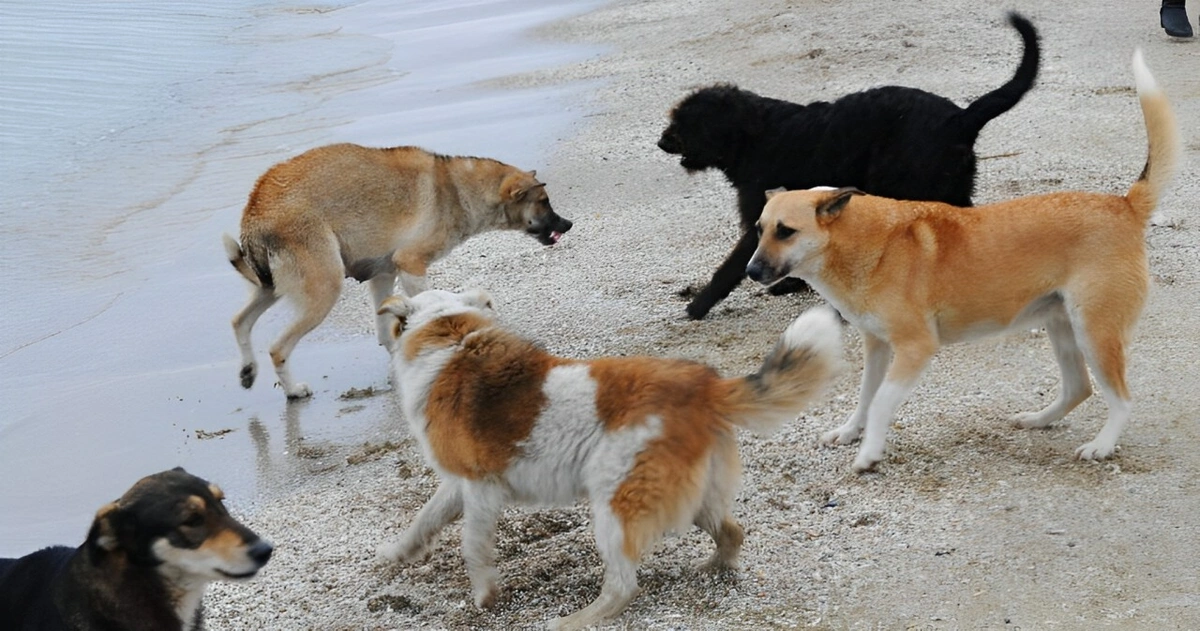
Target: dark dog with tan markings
(346, 211)
(913, 276)
(648, 442)
(144, 566)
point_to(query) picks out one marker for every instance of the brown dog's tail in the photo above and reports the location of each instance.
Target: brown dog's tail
(1162, 158)
(799, 368)
(255, 271)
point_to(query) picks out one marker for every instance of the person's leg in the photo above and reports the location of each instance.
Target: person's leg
(1174, 19)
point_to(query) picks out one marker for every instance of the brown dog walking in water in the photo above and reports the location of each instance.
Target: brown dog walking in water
(913, 276)
(347, 211)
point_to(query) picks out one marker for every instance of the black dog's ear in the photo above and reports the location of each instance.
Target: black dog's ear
(836, 201)
(775, 191)
(103, 534)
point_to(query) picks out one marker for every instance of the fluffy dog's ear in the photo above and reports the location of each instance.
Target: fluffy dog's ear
(479, 299)
(775, 191)
(400, 307)
(836, 201)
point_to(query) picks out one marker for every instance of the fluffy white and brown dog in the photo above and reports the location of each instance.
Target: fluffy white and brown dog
(648, 442)
(915, 275)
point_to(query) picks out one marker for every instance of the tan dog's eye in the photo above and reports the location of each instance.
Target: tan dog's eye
(783, 232)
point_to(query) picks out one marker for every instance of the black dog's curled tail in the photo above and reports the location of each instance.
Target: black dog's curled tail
(1003, 98)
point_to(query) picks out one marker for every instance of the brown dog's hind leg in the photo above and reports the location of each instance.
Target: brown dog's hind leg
(318, 292)
(260, 300)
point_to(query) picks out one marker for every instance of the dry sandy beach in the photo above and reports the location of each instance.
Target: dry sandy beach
(970, 523)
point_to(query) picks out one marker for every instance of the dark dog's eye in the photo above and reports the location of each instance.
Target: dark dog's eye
(195, 520)
(783, 232)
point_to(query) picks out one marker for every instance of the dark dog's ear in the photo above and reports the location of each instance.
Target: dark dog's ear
(103, 535)
(775, 191)
(836, 201)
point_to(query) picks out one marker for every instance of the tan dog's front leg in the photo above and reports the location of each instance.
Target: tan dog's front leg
(907, 366)
(413, 266)
(876, 354)
(382, 286)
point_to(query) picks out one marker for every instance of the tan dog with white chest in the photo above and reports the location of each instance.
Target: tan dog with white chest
(648, 442)
(913, 276)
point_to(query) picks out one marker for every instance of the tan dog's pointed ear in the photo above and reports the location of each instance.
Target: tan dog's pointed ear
(103, 534)
(775, 191)
(479, 299)
(833, 203)
(533, 174)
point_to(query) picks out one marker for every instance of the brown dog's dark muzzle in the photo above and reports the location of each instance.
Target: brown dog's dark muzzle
(669, 143)
(551, 230)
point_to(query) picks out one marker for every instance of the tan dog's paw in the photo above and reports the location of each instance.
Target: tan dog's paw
(1033, 420)
(840, 436)
(1095, 450)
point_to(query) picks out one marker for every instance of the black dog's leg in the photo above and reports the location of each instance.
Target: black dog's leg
(726, 278)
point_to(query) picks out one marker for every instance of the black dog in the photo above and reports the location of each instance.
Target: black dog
(891, 141)
(146, 562)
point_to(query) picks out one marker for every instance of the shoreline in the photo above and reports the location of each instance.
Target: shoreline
(969, 523)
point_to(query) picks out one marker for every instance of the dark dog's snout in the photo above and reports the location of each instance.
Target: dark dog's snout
(669, 142)
(260, 552)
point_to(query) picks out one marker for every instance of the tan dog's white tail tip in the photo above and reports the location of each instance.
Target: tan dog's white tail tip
(1142, 77)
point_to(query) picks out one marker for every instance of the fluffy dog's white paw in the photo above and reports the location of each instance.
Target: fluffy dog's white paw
(866, 460)
(388, 552)
(843, 435)
(1095, 450)
(485, 596)
(399, 551)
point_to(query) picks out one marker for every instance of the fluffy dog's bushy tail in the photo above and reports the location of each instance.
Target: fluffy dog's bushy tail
(1003, 98)
(1162, 134)
(802, 364)
(241, 260)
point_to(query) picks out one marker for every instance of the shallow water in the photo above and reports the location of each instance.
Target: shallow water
(130, 134)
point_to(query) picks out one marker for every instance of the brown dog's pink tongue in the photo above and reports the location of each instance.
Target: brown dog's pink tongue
(555, 236)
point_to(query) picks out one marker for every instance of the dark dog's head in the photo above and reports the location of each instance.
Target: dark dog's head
(527, 207)
(709, 127)
(793, 232)
(175, 522)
